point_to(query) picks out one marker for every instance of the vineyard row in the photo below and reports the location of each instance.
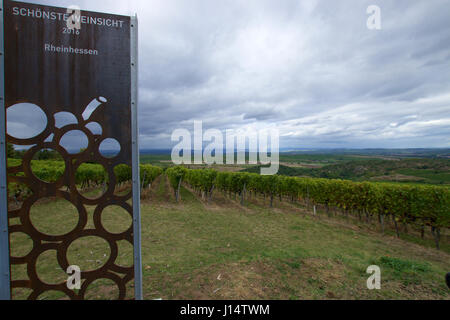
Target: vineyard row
(420, 205)
(87, 174)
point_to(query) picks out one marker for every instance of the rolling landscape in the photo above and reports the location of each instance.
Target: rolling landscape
(233, 150)
(225, 232)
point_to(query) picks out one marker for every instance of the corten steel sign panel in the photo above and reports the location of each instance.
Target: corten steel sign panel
(87, 73)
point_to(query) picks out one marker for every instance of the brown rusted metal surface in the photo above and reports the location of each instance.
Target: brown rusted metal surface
(58, 82)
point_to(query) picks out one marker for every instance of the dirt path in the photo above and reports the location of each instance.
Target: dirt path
(149, 194)
(168, 191)
(219, 201)
(159, 193)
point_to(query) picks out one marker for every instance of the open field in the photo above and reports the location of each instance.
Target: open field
(222, 250)
(429, 166)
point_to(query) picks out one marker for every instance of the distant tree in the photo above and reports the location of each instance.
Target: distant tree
(47, 154)
(19, 154)
(44, 155)
(10, 152)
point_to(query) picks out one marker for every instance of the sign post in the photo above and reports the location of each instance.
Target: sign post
(60, 62)
(135, 150)
(5, 291)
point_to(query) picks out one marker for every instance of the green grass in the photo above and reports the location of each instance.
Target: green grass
(401, 267)
(192, 250)
(406, 271)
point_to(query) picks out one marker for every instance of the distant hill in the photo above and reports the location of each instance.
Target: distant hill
(395, 153)
(435, 171)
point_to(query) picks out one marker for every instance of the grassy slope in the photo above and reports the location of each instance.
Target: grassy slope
(194, 250)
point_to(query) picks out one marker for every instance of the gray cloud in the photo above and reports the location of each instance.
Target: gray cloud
(310, 68)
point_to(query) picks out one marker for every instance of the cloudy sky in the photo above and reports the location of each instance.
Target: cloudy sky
(310, 68)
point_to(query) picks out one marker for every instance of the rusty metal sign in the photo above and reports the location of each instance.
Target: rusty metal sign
(86, 69)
